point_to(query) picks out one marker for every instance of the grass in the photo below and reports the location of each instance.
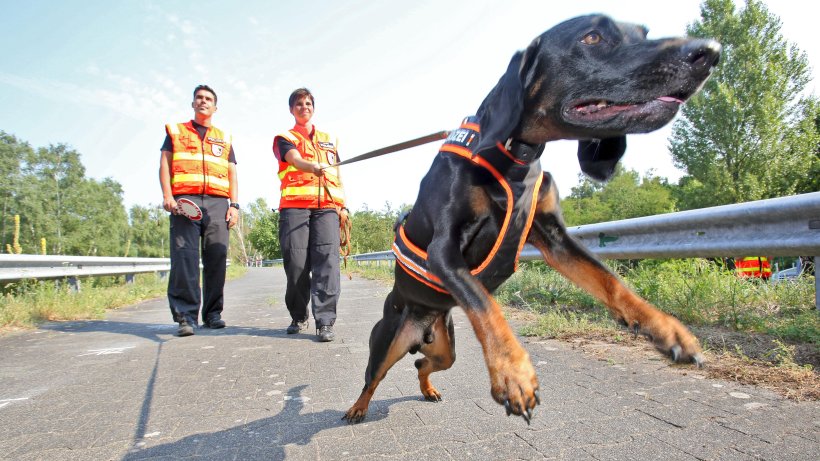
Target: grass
(696, 291)
(27, 303)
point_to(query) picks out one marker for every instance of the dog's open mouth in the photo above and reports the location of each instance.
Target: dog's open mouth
(609, 107)
(601, 109)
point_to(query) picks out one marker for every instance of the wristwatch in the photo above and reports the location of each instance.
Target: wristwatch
(234, 205)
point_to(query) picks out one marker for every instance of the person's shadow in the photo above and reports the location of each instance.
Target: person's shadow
(156, 332)
(261, 439)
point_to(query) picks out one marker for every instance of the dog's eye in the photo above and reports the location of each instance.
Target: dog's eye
(592, 38)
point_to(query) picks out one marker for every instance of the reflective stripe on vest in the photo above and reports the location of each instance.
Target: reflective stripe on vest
(520, 200)
(305, 190)
(199, 166)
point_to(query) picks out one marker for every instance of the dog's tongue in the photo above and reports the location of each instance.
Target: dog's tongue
(670, 99)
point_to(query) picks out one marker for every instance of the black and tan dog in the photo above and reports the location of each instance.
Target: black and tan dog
(590, 79)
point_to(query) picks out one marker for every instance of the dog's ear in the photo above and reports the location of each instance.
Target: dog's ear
(500, 111)
(599, 157)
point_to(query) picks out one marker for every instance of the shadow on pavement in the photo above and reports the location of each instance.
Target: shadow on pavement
(159, 332)
(262, 439)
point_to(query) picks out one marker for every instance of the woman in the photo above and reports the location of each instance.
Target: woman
(312, 201)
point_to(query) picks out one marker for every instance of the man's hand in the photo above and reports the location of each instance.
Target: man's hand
(170, 205)
(232, 217)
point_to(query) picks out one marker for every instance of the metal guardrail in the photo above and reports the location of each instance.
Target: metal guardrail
(18, 267)
(785, 226)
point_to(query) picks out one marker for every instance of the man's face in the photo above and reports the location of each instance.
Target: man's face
(204, 103)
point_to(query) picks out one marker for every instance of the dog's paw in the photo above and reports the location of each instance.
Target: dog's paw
(514, 385)
(431, 394)
(355, 414)
(670, 337)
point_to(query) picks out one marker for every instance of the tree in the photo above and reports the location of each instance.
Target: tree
(12, 153)
(263, 229)
(625, 196)
(373, 230)
(148, 232)
(96, 222)
(751, 132)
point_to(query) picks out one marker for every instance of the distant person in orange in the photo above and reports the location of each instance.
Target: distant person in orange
(311, 205)
(198, 163)
(753, 267)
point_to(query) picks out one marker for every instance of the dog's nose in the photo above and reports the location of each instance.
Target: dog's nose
(702, 52)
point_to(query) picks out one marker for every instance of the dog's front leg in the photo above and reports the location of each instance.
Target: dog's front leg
(513, 382)
(568, 257)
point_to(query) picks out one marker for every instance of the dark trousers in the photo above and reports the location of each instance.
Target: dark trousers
(188, 238)
(310, 253)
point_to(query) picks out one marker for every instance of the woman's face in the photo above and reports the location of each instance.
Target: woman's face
(303, 110)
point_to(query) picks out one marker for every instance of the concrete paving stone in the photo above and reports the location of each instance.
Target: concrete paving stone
(637, 449)
(377, 443)
(409, 439)
(450, 410)
(710, 440)
(57, 440)
(13, 443)
(500, 447)
(420, 451)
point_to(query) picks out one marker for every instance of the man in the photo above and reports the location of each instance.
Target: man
(198, 163)
(312, 201)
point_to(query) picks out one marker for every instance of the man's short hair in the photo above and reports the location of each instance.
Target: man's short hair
(298, 94)
(206, 88)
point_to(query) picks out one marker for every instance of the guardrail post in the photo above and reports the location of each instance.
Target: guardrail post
(129, 278)
(816, 283)
(163, 275)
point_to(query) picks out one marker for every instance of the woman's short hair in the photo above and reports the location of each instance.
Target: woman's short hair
(298, 94)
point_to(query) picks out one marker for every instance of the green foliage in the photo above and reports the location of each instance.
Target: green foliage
(148, 232)
(560, 324)
(262, 224)
(697, 291)
(373, 230)
(26, 303)
(625, 196)
(47, 187)
(751, 133)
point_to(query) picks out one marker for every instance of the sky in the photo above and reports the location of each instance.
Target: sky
(104, 77)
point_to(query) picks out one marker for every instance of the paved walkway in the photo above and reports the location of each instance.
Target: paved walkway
(125, 388)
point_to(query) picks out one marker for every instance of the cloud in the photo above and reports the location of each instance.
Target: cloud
(119, 93)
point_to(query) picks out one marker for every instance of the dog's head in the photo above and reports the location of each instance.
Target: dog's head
(595, 80)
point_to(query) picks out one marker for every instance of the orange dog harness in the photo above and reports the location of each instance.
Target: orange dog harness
(516, 191)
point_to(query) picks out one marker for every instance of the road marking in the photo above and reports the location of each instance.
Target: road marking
(4, 402)
(109, 351)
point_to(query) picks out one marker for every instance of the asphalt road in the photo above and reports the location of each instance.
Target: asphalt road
(125, 388)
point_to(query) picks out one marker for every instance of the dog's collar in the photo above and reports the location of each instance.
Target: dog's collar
(520, 151)
(465, 139)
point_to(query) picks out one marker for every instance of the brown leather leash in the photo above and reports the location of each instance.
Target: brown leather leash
(345, 225)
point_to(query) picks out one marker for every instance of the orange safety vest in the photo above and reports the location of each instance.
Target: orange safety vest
(518, 196)
(754, 266)
(306, 190)
(199, 167)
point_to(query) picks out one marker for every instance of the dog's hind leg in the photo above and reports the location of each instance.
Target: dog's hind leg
(568, 257)
(392, 337)
(439, 349)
